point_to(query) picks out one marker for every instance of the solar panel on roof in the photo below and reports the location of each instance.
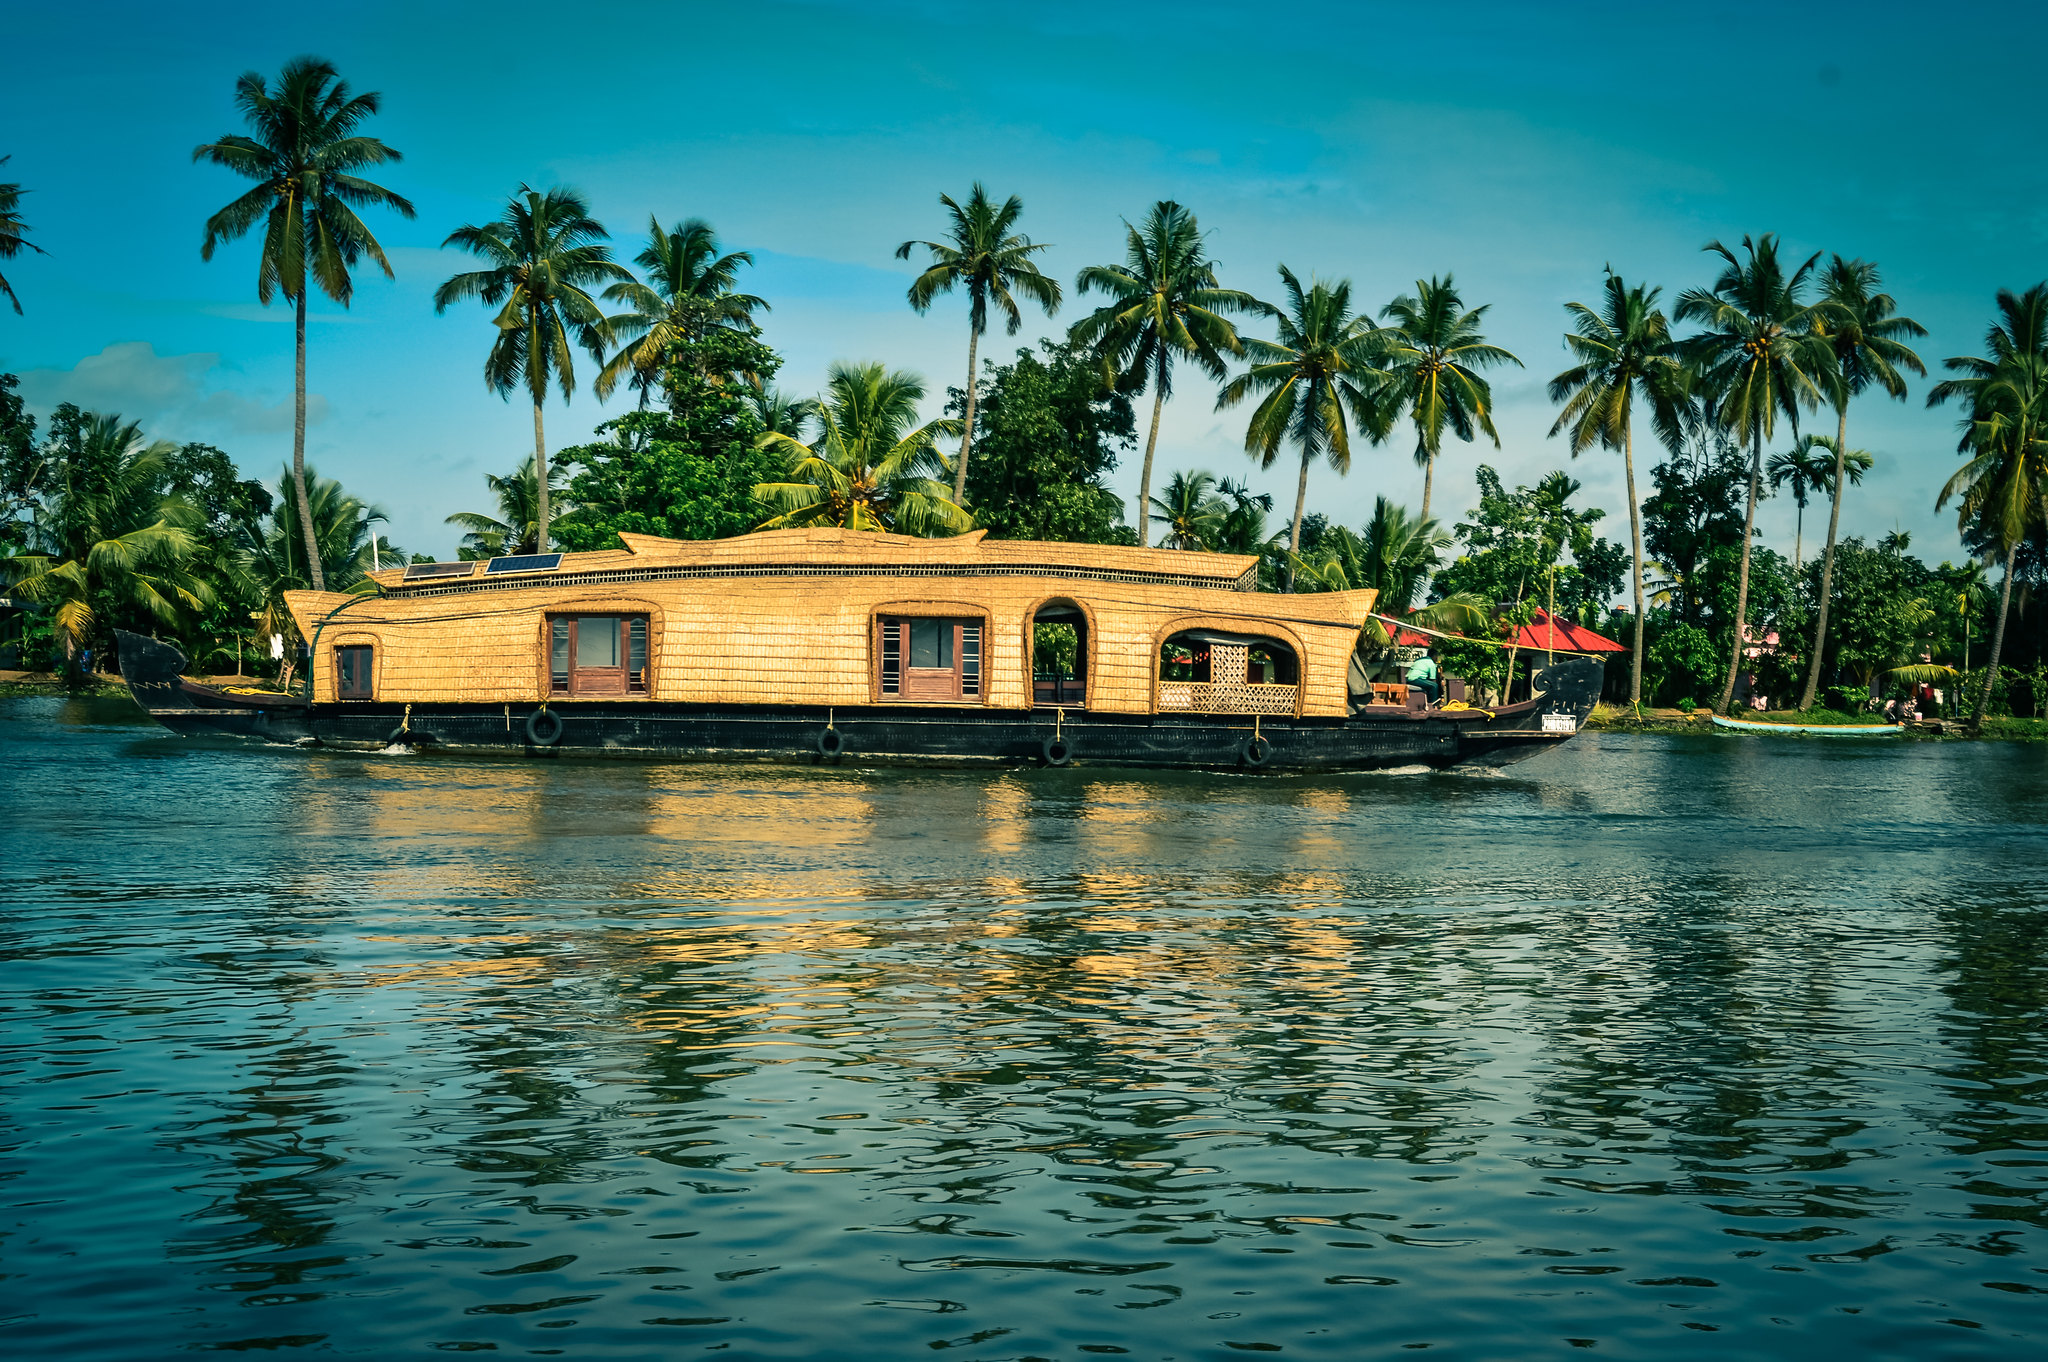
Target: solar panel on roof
(523, 562)
(421, 571)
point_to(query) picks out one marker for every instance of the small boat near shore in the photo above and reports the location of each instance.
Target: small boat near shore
(830, 645)
(1812, 730)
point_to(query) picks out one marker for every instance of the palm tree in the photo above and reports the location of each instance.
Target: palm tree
(1624, 351)
(1191, 510)
(1968, 591)
(1317, 378)
(983, 256)
(304, 155)
(1864, 332)
(1243, 529)
(270, 561)
(13, 233)
(516, 526)
(1165, 305)
(778, 413)
(109, 542)
(1809, 469)
(690, 288)
(2001, 486)
(1434, 353)
(868, 469)
(1758, 356)
(545, 253)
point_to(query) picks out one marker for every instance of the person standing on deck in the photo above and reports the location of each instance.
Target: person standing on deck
(1422, 674)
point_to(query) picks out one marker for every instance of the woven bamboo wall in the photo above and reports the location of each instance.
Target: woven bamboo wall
(809, 639)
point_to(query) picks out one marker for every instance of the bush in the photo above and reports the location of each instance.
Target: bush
(1687, 705)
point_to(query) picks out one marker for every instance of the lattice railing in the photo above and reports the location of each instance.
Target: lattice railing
(1222, 697)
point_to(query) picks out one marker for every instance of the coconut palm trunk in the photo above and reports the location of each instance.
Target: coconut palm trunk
(967, 425)
(1997, 639)
(1635, 531)
(299, 450)
(1151, 444)
(1428, 482)
(1308, 453)
(540, 471)
(1756, 478)
(1827, 561)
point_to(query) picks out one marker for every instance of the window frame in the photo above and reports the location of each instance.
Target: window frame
(890, 676)
(561, 642)
(358, 683)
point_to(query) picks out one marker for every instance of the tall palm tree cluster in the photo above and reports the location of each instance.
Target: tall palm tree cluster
(1769, 342)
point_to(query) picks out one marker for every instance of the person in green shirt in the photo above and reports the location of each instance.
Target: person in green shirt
(1422, 674)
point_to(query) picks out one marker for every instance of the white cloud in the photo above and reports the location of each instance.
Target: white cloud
(173, 396)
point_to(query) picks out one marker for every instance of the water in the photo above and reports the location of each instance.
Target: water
(1655, 1046)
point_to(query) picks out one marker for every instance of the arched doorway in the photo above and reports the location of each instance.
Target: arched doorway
(1059, 655)
(1211, 671)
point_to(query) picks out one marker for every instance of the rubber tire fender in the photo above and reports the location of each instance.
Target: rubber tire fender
(1254, 752)
(1056, 751)
(830, 742)
(543, 728)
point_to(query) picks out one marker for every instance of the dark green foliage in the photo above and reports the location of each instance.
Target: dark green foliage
(1047, 434)
(1517, 545)
(684, 473)
(20, 464)
(1882, 614)
(209, 480)
(1696, 508)
(1684, 662)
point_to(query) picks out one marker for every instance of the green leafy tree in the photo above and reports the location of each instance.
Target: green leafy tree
(1759, 356)
(1625, 354)
(687, 472)
(21, 464)
(1807, 470)
(516, 526)
(1862, 328)
(1164, 306)
(1695, 508)
(13, 233)
(691, 287)
(1190, 510)
(107, 546)
(545, 253)
(1884, 609)
(1433, 352)
(868, 468)
(1049, 436)
(306, 154)
(982, 256)
(1532, 547)
(1312, 382)
(2000, 488)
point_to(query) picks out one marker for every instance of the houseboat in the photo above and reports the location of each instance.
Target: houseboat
(828, 645)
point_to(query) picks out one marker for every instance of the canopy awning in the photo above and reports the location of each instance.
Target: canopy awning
(1548, 634)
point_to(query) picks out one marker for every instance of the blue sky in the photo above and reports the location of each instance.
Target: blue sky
(1519, 146)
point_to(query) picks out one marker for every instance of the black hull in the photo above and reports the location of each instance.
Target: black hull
(947, 736)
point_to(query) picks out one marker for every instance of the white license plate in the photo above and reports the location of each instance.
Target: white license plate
(1559, 723)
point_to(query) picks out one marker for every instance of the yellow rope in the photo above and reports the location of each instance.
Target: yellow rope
(1460, 704)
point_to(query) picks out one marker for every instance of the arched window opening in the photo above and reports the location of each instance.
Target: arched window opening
(1059, 655)
(1208, 671)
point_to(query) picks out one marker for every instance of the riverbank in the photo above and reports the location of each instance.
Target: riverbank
(98, 686)
(1607, 718)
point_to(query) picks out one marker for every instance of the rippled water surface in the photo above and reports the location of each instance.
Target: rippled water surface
(1653, 1046)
